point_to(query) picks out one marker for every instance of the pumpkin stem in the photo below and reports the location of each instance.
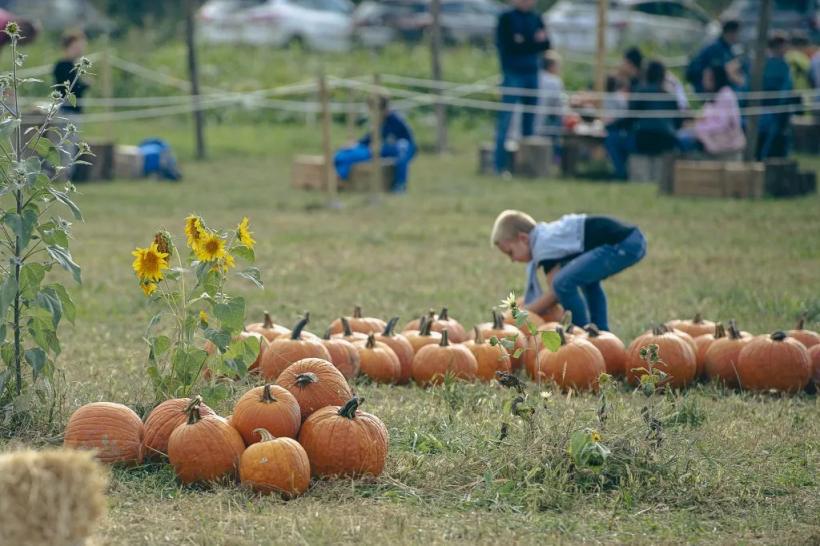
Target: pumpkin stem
(734, 333)
(498, 320)
(349, 409)
(479, 339)
(779, 336)
(659, 330)
(193, 410)
(720, 330)
(560, 332)
(371, 342)
(267, 397)
(445, 339)
(389, 329)
(357, 311)
(443, 315)
(592, 330)
(305, 379)
(264, 434)
(426, 327)
(698, 319)
(297, 330)
(801, 322)
(566, 318)
(327, 334)
(346, 327)
(268, 321)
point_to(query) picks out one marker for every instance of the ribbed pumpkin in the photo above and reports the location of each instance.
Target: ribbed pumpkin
(416, 323)
(315, 383)
(423, 336)
(695, 327)
(268, 329)
(210, 348)
(204, 448)
(814, 356)
(343, 355)
(270, 407)
(114, 431)
(284, 351)
(577, 364)
(454, 328)
(676, 354)
(703, 343)
(342, 441)
(162, 421)
(611, 348)
(275, 465)
(347, 333)
(809, 338)
(776, 361)
(433, 362)
(685, 336)
(359, 323)
(401, 346)
(489, 358)
(500, 330)
(379, 362)
(721, 358)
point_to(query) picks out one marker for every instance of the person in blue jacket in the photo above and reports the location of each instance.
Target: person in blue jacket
(774, 127)
(397, 143)
(719, 52)
(521, 39)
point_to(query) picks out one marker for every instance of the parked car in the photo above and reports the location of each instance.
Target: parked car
(462, 21)
(787, 16)
(58, 15)
(681, 25)
(325, 25)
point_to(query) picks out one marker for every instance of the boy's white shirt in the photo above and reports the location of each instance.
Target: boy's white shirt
(552, 241)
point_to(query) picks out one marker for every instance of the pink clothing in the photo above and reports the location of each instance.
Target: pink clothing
(718, 127)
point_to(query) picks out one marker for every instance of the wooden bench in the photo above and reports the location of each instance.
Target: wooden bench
(535, 157)
(718, 179)
(308, 173)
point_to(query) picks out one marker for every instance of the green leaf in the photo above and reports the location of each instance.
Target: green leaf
(253, 275)
(63, 257)
(159, 346)
(69, 309)
(215, 393)
(64, 198)
(245, 253)
(31, 275)
(220, 338)
(53, 233)
(48, 299)
(210, 282)
(22, 225)
(8, 126)
(7, 292)
(4, 377)
(36, 358)
(231, 314)
(153, 322)
(551, 340)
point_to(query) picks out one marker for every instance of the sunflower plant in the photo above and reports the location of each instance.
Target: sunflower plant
(34, 238)
(194, 339)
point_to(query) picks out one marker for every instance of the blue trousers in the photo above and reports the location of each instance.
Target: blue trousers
(402, 151)
(516, 81)
(618, 144)
(585, 273)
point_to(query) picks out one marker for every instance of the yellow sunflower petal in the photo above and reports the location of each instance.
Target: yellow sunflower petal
(149, 263)
(211, 247)
(244, 234)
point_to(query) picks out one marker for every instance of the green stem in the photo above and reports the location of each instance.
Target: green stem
(297, 330)
(371, 342)
(267, 397)
(390, 328)
(445, 339)
(18, 242)
(349, 409)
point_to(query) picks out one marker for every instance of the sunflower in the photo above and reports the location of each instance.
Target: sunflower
(244, 233)
(194, 231)
(211, 247)
(149, 263)
(148, 287)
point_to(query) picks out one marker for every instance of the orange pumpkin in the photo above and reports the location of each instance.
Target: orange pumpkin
(702, 343)
(401, 346)
(268, 329)
(342, 441)
(577, 364)
(284, 351)
(721, 358)
(454, 328)
(808, 338)
(348, 334)
(774, 362)
(611, 348)
(114, 431)
(379, 362)
(500, 330)
(676, 353)
(162, 421)
(489, 358)
(343, 355)
(695, 327)
(270, 407)
(433, 362)
(204, 448)
(359, 323)
(415, 324)
(814, 355)
(315, 383)
(275, 465)
(423, 336)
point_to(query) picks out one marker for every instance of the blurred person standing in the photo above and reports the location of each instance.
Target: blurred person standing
(619, 141)
(774, 128)
(65, 72)
(551, 98)
(721, 51)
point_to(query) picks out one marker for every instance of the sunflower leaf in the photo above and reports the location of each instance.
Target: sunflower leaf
(63, 257)
(231, 314)
(253, 275)
(244, 252)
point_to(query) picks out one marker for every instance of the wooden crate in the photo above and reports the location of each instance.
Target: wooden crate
(782, 177)
(535, 157)
(128, 162)
(808, 182)
(308, 172)
(806, 132)
(698, 178)
(361, 176)
(102, 163)
(744, 180)
(486, 157)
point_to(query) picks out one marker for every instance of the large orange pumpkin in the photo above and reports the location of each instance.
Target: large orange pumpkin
(343, 355)
(359, 323)
(379, 362)
(809, 338)
(401, 346)
(268, 329)
(455, 330)
(721, 358)
(342, 441)
(270, 407)
(489, 358)
(204, 448)
(774, 362)
(423, 336)
(162, 421)
(500, 330)
(611, 348)
(114, 431)
(695, 327)
(676, 353)
(315, 383)
(433, 362)
(577, 364)
(275, 465)
(284, 351)
(702, 343)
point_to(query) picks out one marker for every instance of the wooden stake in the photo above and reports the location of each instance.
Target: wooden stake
(193, 72)
(329, 175)
(107, 87)
(376, 183)
(765, 14)
(600, 53)
(435, 53)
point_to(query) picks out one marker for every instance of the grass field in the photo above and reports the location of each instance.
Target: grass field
(732, 468)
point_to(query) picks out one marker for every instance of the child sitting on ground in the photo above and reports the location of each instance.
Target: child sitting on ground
(576, 252)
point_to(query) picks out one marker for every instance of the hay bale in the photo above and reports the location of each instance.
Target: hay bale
(54, 497)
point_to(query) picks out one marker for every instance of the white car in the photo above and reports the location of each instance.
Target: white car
(324, 25)
(572, 24)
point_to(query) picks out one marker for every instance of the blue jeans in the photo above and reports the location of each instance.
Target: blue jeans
(586, 271)
(402, 151)
(618, 144)
(516, 81)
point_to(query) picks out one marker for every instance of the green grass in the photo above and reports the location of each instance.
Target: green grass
(732, 468)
